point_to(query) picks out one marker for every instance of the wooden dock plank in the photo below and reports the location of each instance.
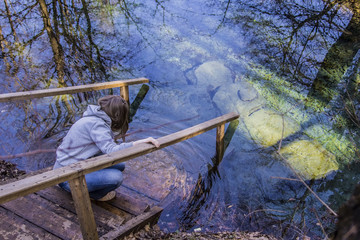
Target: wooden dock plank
(128, 203)
(145, 186)
(14, 227)
(62, 212)
(134, 224)
(30, 210)
(52, 215)
(103, 217)
(137, 195)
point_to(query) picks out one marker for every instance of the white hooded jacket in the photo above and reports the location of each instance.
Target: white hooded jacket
(89, 136)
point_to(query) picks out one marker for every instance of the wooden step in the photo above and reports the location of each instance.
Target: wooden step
(63, 198)
(50, 214)
(60, 224)
(14, 227)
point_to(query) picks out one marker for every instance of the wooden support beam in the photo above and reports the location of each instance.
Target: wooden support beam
(124, 93)
(80, 194)
(220, 149)
(7, 97)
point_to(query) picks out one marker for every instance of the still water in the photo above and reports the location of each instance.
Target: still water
(289, 68)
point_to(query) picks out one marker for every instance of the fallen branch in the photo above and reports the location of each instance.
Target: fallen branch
(297, 175)
(37, 151)
(289, 179)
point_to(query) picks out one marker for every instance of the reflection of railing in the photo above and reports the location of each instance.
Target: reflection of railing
(75, 173)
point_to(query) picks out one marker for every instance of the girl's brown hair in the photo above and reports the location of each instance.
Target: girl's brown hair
(118, 111)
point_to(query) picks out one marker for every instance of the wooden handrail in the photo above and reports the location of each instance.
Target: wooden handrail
(7, 97)
(35, 183)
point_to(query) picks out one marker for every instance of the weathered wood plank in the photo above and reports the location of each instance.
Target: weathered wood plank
(80, 195)
(124, 93)
(128, 203)
(6, 97)
(59, 226)
(114, 210)
(14, 227)
(53, 177)
(220, 132)
(148, 188)
(135, 224)
(62, 198)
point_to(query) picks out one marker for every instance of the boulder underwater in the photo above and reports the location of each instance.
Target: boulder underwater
(268, 127)
(309, 159)
(263, 124)
(213, 73)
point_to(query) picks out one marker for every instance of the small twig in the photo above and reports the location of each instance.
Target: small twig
(322, 228)
(307, 186)
(298, 176)
(289, 179)
(264, 210)
(282, 132)
(37, 151)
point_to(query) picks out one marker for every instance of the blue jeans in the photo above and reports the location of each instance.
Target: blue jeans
(101, 182)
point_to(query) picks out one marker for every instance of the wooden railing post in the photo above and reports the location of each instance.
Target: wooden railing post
(80, 195)
(124, 93)
(220, 132)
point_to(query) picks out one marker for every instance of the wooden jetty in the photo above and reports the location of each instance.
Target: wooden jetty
(34, 207)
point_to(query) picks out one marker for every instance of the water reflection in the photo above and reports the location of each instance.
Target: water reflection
(296, 59)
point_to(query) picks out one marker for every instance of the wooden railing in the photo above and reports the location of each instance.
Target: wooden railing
(123, 84)
(75, 173)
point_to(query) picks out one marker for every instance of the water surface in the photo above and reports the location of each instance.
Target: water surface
(295, 60)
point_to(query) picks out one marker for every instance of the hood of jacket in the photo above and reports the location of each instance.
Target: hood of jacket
(95, 111)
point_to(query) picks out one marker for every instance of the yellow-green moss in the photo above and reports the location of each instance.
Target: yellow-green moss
(309, 158)
(266, 126)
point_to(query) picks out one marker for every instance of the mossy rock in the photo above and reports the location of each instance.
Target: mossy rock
(309, 158)
(266, 126)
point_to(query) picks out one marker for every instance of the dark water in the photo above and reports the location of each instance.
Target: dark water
(203, 58)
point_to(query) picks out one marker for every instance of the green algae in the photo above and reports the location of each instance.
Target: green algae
(309, 158)
(342, 147)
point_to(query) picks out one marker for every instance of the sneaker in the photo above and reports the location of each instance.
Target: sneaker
(109, 196)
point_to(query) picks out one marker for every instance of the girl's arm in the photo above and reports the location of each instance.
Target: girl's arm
(148, 140)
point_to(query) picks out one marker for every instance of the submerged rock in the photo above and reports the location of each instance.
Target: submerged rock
(213, 73)
(309, 158)
(268, 127)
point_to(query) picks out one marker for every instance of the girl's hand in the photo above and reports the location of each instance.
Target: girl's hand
(148, 140)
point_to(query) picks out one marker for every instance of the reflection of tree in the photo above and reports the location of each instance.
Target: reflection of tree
(53, 34)
(291, 34)
(296, 35)
(337, 59)
(63, 48)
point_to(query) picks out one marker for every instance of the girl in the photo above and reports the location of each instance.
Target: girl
(93, 135)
